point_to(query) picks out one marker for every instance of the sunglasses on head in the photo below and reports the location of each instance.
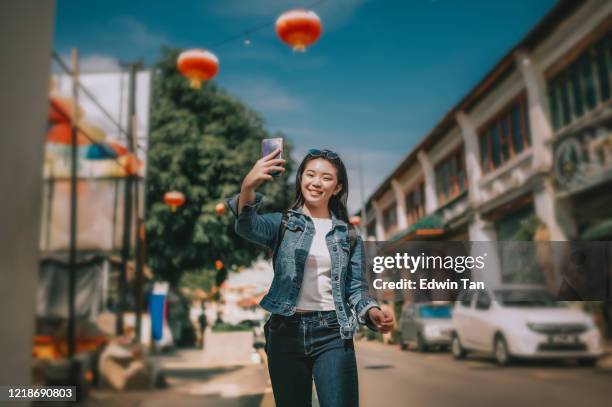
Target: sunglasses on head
(330, 155)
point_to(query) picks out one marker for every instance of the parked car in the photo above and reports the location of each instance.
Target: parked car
(517, 321)
(426, 325)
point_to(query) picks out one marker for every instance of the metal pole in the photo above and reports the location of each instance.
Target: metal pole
(139, 271)
(141, 242)
(139, 246)
(127, 203)
(363, 210)
(73, 205)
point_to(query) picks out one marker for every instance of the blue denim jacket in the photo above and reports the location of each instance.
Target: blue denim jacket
(349, 288)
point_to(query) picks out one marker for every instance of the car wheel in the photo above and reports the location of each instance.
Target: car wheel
(420, 343)
(502, 354)
(456, 348)
(587, 362)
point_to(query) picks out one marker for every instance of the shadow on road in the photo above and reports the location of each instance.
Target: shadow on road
(379, 367)
(198, 372)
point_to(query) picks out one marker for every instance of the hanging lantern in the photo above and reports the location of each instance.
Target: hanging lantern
(355, 220)
(60, 110)
(174, 199)
(220, 208)
(299, 28)
(218, 265)
(197, 65)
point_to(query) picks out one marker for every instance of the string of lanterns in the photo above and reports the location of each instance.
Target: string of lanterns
(297, 28)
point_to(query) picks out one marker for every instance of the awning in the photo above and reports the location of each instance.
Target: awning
(599, 231)
(425, 228)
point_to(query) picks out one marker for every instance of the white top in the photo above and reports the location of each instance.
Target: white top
(316, 291)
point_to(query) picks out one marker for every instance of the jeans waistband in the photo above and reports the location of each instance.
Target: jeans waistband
(309, 315)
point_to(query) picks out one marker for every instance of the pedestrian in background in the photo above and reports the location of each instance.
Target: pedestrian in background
(318, 294)
(203, 322)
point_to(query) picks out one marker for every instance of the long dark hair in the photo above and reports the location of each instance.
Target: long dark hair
(337, 203)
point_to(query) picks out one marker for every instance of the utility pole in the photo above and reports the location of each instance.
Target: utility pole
(72, 266)
(132, 167)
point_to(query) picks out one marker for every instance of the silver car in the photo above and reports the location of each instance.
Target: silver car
(426, 325)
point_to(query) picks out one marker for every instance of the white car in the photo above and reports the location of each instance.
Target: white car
(517, 321)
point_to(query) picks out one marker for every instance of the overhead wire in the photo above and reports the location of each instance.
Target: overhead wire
(245, 33)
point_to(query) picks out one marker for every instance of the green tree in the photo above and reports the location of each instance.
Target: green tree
(202, 143)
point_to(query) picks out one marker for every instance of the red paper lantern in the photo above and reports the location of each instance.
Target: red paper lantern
(174, 199)
(299, 28)
(355, 220)
(220, 208)
(197, 65)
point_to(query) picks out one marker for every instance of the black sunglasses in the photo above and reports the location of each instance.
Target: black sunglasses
(330, 155)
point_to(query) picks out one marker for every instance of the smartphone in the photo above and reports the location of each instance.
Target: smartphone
(270, 144)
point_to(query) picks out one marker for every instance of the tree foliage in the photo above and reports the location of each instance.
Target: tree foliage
(202, 143)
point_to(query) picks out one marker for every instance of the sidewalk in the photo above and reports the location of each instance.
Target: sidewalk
(224, 373)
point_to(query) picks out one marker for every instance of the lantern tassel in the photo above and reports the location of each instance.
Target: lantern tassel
(195, 83)
(173, 208)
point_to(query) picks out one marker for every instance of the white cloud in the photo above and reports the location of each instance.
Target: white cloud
(99, 63)
(263, 94)
(136, 34)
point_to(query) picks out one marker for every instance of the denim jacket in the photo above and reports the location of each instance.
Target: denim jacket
(349, 288)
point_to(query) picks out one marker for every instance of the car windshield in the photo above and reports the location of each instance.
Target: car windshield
(527, 298)
(435, 311)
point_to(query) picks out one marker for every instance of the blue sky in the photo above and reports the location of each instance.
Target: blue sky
(383, 73)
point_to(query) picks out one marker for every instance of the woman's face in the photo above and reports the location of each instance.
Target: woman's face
(319, 182)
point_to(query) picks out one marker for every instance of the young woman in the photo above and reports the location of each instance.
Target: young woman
(318, 294)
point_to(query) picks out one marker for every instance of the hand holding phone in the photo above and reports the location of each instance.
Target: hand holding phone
(264, 168)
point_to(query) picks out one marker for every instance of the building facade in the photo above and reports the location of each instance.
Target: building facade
(531, 142)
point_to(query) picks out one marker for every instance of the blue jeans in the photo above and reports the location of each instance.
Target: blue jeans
(306, 345)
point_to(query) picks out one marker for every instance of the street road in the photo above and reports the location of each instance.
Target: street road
(390, 377)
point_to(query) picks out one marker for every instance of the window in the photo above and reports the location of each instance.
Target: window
(390, 218)
(450, 177)
(415, 203)
(582, 85)
(505, 136)
(465, 298)
(483, 301)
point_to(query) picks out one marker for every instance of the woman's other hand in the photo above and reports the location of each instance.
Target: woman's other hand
(383, 320)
